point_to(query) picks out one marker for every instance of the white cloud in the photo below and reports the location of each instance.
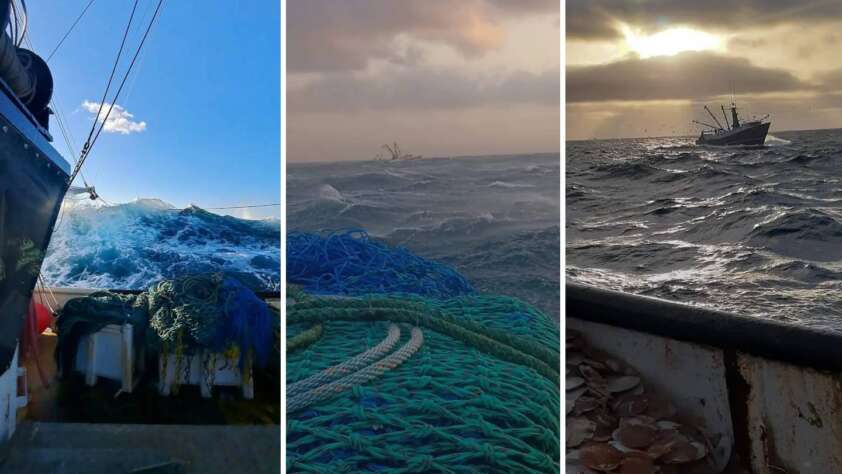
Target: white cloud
(119, 120)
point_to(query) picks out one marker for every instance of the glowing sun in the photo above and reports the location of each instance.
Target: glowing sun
(670, 41)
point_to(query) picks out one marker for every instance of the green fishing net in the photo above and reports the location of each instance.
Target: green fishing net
(467, 384)
(185, 311)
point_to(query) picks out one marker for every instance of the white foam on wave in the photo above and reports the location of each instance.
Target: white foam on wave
(772, 140)
(503, 184)
(134, 244)
(330, 193)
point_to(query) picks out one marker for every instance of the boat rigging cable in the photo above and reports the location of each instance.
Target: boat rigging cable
(53, 52)
(20, 24)
(65, 131)
(108, 85)
(93, 135)
(60, 119)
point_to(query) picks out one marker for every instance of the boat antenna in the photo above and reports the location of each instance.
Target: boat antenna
(713, 117)
(725, 116)
(732, 94)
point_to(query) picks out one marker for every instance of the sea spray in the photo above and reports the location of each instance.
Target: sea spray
(132, 245)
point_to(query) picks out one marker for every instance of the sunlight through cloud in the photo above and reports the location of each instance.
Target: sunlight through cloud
(670, 41)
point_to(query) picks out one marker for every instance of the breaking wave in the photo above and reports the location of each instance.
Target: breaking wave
(132, 245)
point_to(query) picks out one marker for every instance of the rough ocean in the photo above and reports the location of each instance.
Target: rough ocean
(130, 246)
(752, 230)
(495, 219)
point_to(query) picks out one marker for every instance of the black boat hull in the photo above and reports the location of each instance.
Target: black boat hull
(33, 180)
(754, 135)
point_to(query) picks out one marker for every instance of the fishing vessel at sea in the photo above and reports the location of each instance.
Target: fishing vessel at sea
(74, 422)
(734, 132)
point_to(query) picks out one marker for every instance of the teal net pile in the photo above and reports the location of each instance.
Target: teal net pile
(403, 383)
(210, 311)
(184, 315)
(351, 263)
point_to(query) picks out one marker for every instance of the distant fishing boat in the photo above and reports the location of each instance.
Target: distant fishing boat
(395, 154)
(733, 133)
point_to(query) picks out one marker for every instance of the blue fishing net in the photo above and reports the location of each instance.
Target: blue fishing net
(248, 322)
(351, 263)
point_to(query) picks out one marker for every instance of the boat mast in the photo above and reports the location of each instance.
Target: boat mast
(734, 119)
(725, 116)
(714, 118)
(705, 124)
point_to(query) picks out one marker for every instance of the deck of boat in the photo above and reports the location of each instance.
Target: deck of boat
(68, 427)
(71, 448)
(69, 400)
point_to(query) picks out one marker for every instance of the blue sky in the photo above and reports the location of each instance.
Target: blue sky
(206, 86)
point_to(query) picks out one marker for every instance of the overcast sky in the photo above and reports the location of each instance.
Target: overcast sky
(442, 78)
(646, 68)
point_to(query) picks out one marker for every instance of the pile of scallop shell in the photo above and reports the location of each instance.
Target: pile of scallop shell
(615, 425)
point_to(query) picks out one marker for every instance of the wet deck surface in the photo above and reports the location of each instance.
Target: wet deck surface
(71, 448)
(69, 427)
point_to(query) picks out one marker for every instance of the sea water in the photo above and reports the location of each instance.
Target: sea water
(495, 219)
(132, 245)
(752, 230)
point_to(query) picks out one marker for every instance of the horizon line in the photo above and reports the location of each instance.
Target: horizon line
(683, 136)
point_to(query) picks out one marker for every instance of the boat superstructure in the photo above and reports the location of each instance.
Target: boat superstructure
(33, 181)
(734, 132)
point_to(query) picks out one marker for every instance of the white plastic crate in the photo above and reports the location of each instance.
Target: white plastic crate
(195, 370)
(110, 353)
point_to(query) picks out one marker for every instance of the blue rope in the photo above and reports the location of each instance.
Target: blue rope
(351, 263)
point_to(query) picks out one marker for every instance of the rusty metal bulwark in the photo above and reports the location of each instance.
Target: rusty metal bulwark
(783, 383)
(794, 421)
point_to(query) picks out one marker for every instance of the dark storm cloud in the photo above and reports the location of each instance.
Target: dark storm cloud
(687, 75)
(421, 88)
(338, 35)
(595, 19)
